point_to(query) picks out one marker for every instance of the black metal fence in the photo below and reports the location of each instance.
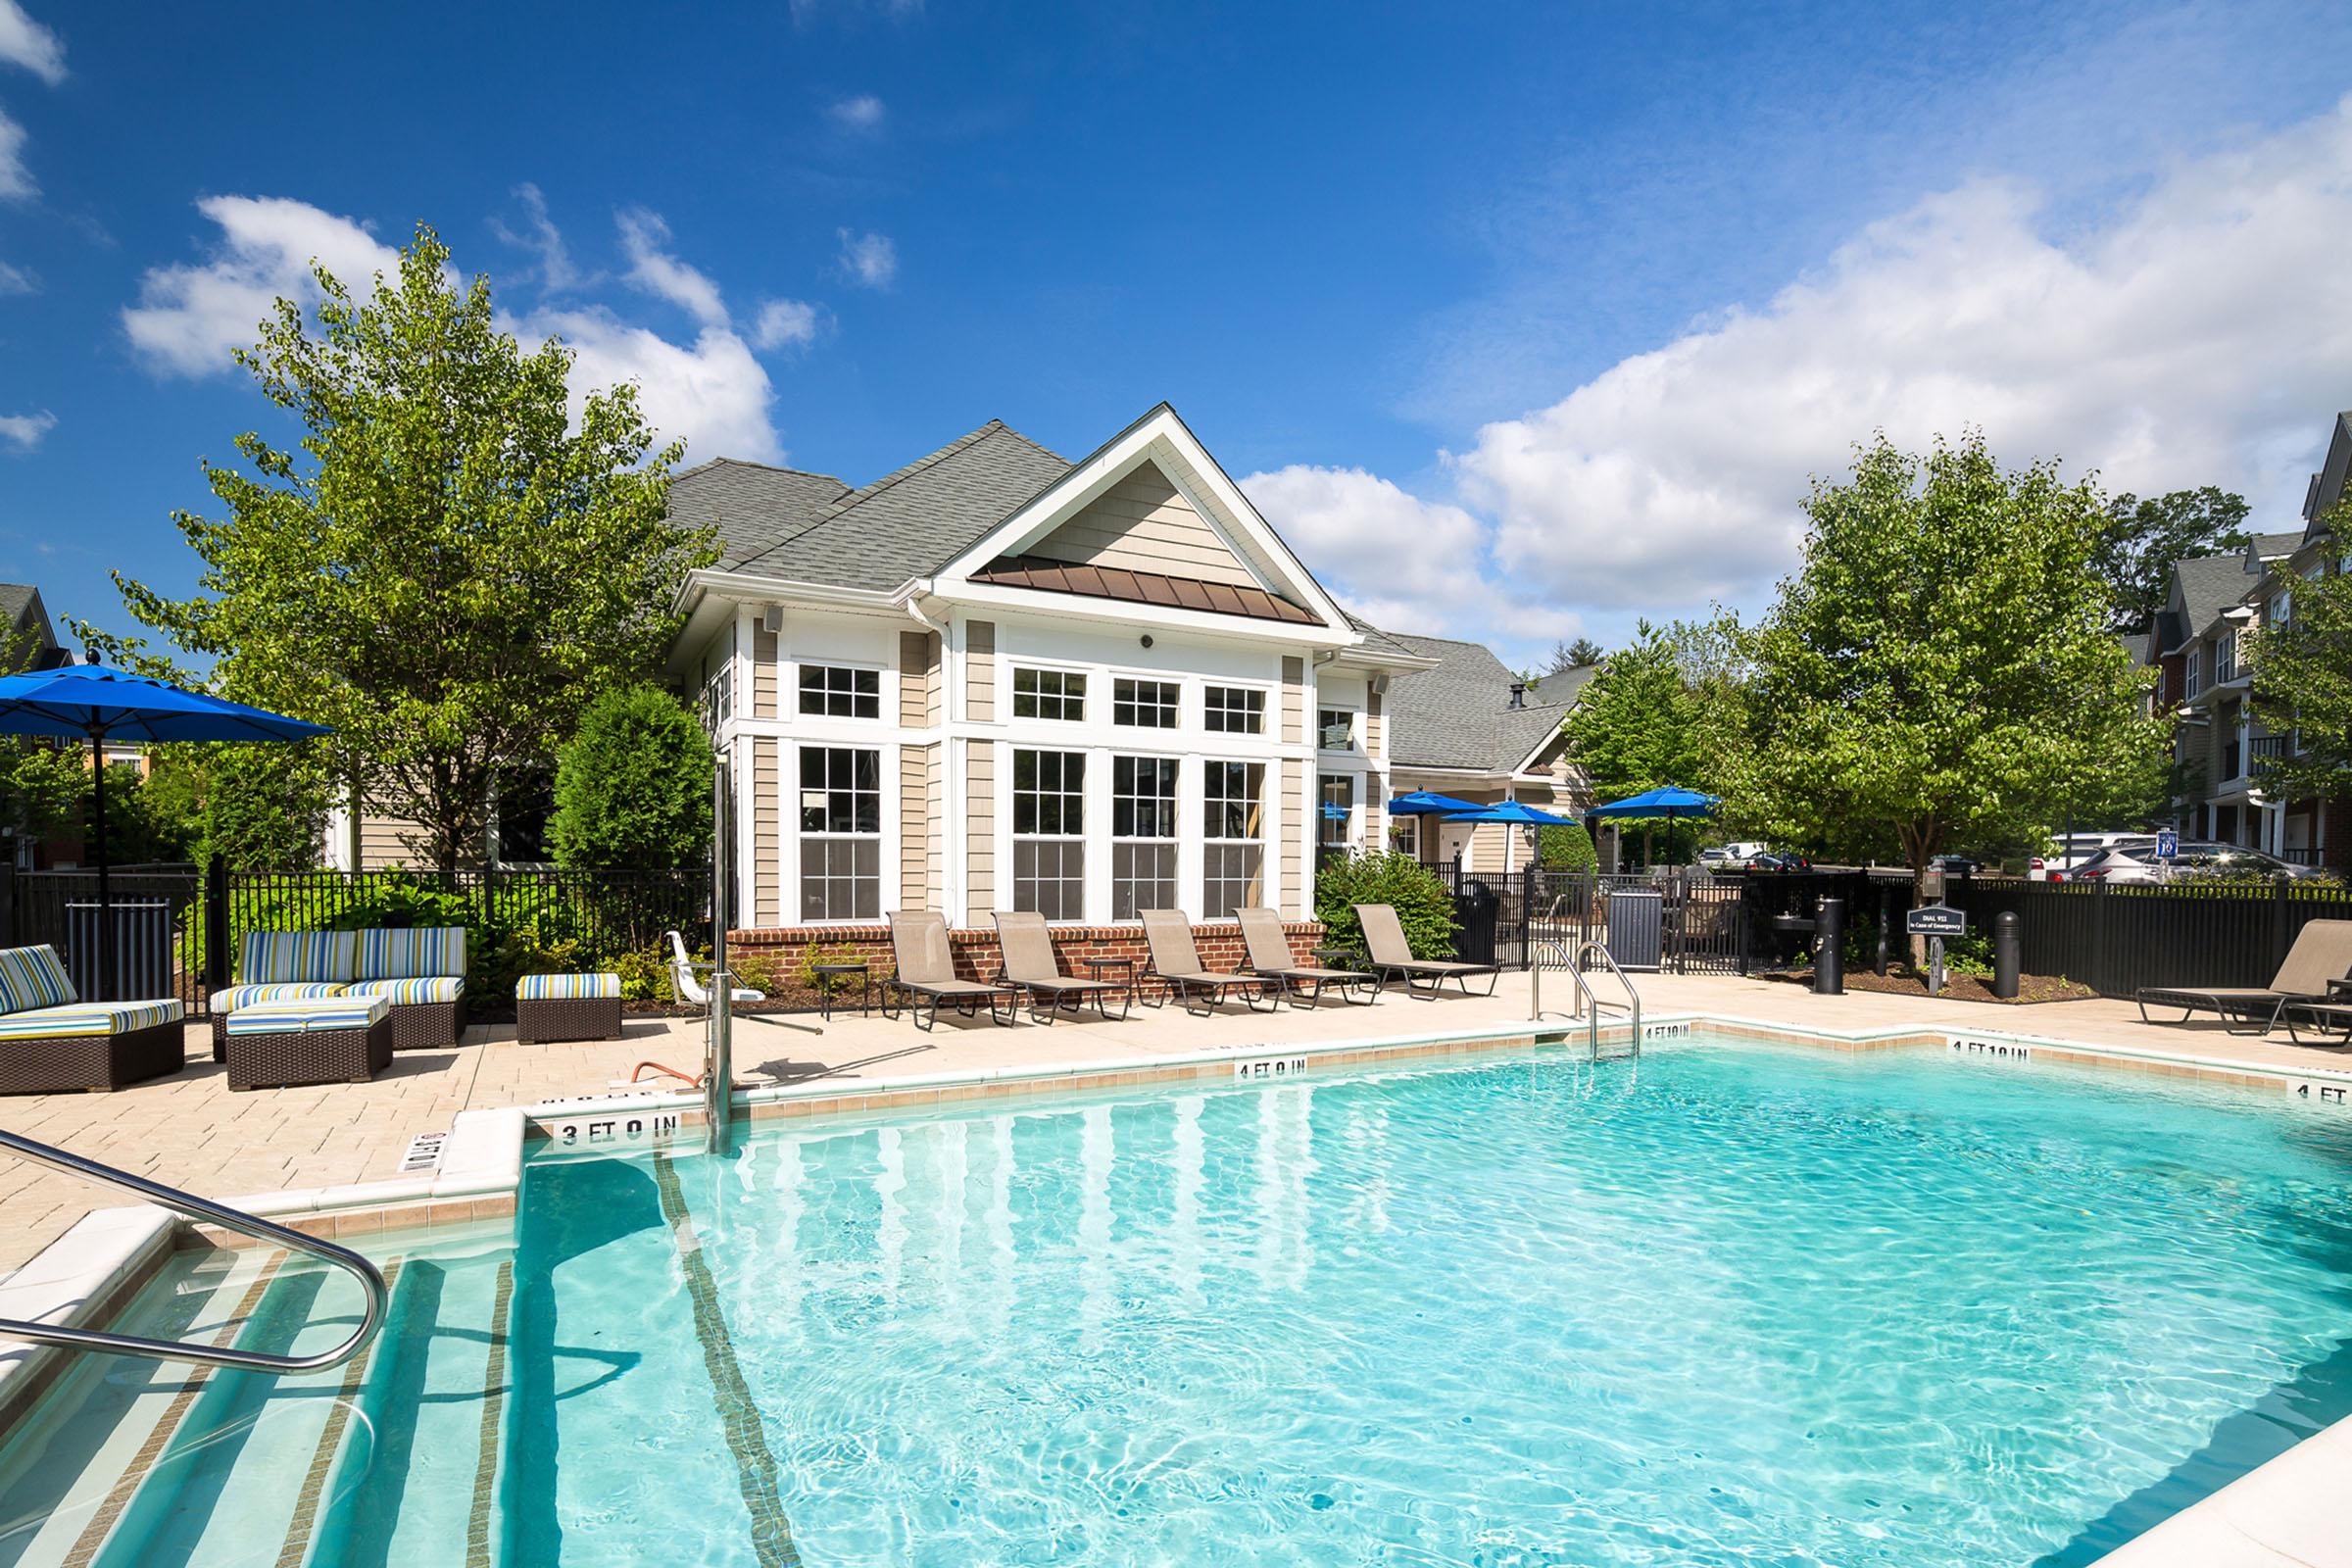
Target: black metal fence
(1691, 925)
(178, 930)
(2117, 939)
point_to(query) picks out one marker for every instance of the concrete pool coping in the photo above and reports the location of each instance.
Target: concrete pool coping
(90, 1274)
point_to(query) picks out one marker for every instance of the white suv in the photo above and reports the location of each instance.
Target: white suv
(2070, 850)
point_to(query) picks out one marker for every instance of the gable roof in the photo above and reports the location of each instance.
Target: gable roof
(2327, 486)
(756, 507)
(1459, 715)
(2272, 546)
(2202, 588)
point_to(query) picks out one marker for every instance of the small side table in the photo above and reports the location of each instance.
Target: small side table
(829, 977)
(1096, 969)
(1335, 958)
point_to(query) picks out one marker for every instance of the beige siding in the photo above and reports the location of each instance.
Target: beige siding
(384, 843)
(980, 670)
(763, 674)
(1289, 822)
(1489, 845)
(766, 813)
(980, 831)
(1144, 523)
(1294, 700)
(919, 679)
(914, 827)
(935, 837)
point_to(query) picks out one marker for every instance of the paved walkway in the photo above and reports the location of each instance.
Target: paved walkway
(189, 1131)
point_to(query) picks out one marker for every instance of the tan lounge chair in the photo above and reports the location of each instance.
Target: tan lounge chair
(2322, 955)
(1391, 955)
(1031, 964)
(926, 973)
(1271, 956)
(1176, 963)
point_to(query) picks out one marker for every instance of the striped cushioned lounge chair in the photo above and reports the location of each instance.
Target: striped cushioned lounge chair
(567, 1006)
(321, 1039)
(421, 972)
(308, 957)
(51, 1041)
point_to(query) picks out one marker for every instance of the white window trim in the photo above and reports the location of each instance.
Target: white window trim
(1269, 832)
(1113, 676)
(1094, 797)
(1174, 840)
(1355, 730)
(1010, 668)
(1269, 713)
(789, 835)
(886, 694)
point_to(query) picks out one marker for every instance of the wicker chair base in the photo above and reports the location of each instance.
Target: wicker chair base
(281, 1059)
(72, 1063)
(567, 1018)
(425, 1025)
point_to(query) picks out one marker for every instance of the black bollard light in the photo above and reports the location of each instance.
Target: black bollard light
(1829, 951)
(2004, 954)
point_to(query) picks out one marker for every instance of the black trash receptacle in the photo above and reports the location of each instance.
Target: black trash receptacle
(1477, 907)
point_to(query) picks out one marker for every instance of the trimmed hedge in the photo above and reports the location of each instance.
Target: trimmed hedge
(1424, 906)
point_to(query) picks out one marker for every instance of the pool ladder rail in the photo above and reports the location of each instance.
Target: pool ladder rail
(1552, 956)
(188, 1206)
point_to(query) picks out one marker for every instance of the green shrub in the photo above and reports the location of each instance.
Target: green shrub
(1424, 908)
(633, 785)
(265, 807)
(1568, 848)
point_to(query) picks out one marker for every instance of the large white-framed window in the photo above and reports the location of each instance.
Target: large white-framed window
(1053, 693)
(1137, 703)
(841, 833)
(1048, 832)
(2225, 659)
(1335, 810)
(1335, 729)
(1142, 835)
(841, 691)
(1233, 864)
(1233, 709)
(2192, 671)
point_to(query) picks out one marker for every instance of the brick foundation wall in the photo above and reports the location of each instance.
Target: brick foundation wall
(977, 958)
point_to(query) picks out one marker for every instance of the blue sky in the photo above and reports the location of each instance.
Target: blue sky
(1521, 319)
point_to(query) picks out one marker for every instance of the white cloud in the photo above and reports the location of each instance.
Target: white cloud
(16, 281)
(645, 239)
(869, 259)
(540, 236)
(26, 42)
(714, 393)
(15, 181)
(24, 431)
(190, 316)
(1396, 559)
(2198, 336)
(783, 324)
(862, 113)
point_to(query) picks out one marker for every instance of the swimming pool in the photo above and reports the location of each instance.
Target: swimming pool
(1731, 1303)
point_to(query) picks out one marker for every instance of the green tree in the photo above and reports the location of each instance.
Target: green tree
(2142, 539)
(2303, 682)
(633, 784)
(1574, 656)
(1941, 673)
(1662, 710)
(42, 782)
(449, 562)
(265, 807)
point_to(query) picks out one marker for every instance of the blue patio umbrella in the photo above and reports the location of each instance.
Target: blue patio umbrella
(1334, 811)
(79, 701)
(1427, 803)
(1515, 813)
(1668, 800)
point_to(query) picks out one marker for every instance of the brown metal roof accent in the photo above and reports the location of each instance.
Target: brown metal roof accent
(1143, 588)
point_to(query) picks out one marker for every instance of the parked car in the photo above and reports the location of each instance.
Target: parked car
(2134, 860)
(2071, 851)
(1780, 861)
(1958, 864)
(1727, 856)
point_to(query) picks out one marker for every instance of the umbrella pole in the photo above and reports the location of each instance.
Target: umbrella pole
(104, 982)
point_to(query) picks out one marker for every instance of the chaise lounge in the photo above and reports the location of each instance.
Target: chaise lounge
(1176, 963)
(1031, 964)
(51, 1041)
(1271, 956)
(1391, 955)
(926, 973)
(2322, 955)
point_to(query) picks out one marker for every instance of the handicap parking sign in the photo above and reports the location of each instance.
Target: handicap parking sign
(2168, 844)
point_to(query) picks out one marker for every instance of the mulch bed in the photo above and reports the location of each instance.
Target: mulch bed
(2030, 988)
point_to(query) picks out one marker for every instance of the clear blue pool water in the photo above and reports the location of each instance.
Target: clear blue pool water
(1735, 1305)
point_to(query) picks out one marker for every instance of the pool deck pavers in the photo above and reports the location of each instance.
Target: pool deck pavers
(191, 1131)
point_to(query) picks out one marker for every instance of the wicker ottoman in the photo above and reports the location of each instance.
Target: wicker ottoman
(97, 1048)
(567, 1006)
(324, 1041)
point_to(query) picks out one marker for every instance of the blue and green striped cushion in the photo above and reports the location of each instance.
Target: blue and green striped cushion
(31, 977)
(566, 987)
(87, 1018)
(410, 993)
(415, 954)
(276, 958)
(303, 1017)
(235, 996)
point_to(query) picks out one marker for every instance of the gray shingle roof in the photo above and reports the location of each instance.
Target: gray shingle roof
(1460, 714)
(16, 598)
(2208, 586)
(754, 507)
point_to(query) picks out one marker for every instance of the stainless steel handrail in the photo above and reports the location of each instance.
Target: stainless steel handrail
(190, 1206)
(1632, 1006)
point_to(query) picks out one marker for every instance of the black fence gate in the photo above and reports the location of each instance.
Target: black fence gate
(1688, 924)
